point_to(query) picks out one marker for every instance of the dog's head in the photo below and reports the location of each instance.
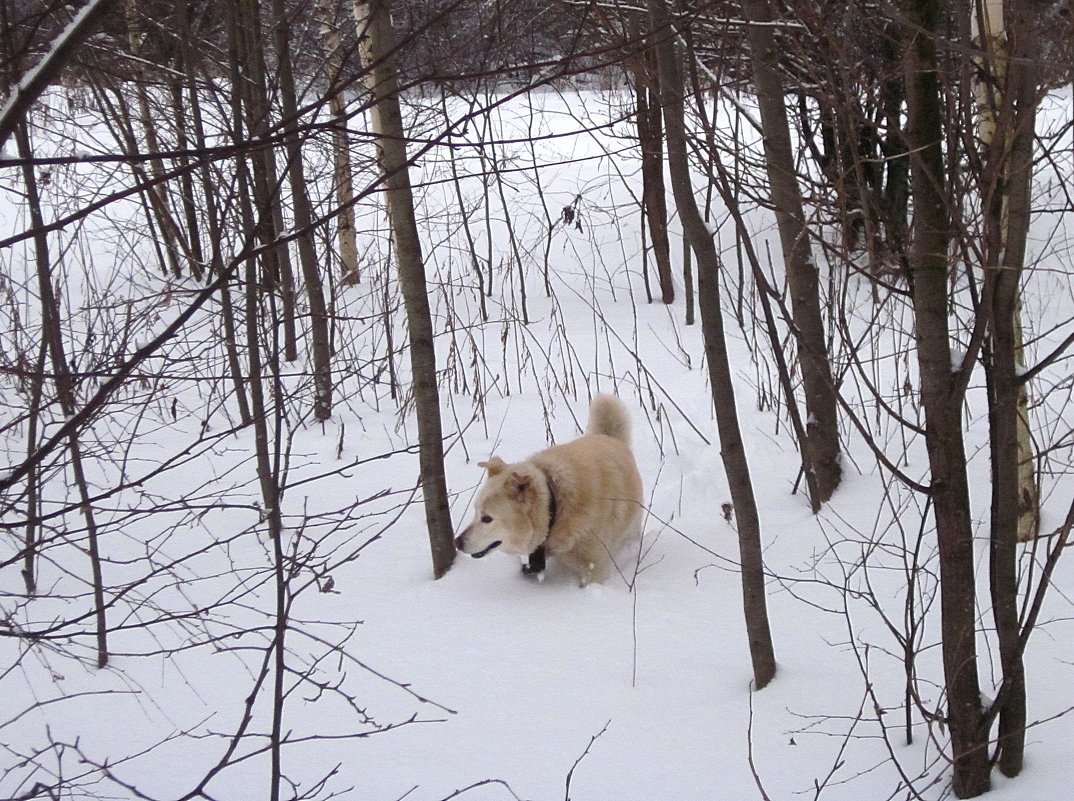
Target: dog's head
(504, 512)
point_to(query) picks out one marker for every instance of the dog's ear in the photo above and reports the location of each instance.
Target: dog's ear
(520, 486)
(494, 465)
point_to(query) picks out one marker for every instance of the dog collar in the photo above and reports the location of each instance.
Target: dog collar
(536, 563)
(552, 506)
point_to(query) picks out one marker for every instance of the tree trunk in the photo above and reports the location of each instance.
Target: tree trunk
(343, 179)
(373, 18)
(649, 121)
(893, 148)
(802, 275)
(1008, 123)
(212, 214)
(186, 180)
(253, 88)
(33, 484)
(942, 401)
(1001, 109)
(267, 454)
(732, 450)
(158, 194)
(65, 389)
(320, 346)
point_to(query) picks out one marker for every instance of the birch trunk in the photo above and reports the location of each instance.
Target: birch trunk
(342, 174)
(995, 106)
(1007, 127)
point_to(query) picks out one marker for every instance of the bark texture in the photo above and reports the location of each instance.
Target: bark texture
(941, 397)
(343, 182)
(373, 18)
(320, 348)
(1008, 126)
(650, 125)
(822, 440)
(732, 450)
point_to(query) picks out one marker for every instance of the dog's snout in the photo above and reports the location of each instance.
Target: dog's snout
(458, 543)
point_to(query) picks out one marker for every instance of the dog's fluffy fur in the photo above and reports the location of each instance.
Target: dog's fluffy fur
(597, 494)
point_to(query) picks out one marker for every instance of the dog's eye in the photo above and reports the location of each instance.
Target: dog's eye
(486, 519)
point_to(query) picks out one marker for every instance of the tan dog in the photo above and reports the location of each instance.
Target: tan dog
(579, 502)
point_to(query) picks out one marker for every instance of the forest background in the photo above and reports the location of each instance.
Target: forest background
(277, 275)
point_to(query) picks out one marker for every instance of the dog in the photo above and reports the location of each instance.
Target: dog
(579, 502)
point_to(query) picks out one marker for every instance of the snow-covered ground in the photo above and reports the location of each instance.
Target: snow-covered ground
(487, 681)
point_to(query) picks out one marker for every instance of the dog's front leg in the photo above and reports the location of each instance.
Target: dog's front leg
(536, 564)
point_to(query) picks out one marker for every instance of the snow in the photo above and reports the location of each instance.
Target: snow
(487, 679)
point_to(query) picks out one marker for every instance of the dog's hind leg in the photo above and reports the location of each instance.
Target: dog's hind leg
(588, 560)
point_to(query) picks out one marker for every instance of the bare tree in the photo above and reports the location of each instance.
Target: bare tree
(52, 348)
(52, 340)
(650, 124)
(1007, 199)
(250, 76)
(373, 18)
(343, 180)
(158, 196)
(942, 393)
(732, 450)
(319, 344)
(33, 82)
(214, 222)
(822, 442)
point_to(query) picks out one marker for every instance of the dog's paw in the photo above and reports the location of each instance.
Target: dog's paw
(593, 575)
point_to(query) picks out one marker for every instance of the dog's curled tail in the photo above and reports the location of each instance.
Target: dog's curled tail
(608, 416)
